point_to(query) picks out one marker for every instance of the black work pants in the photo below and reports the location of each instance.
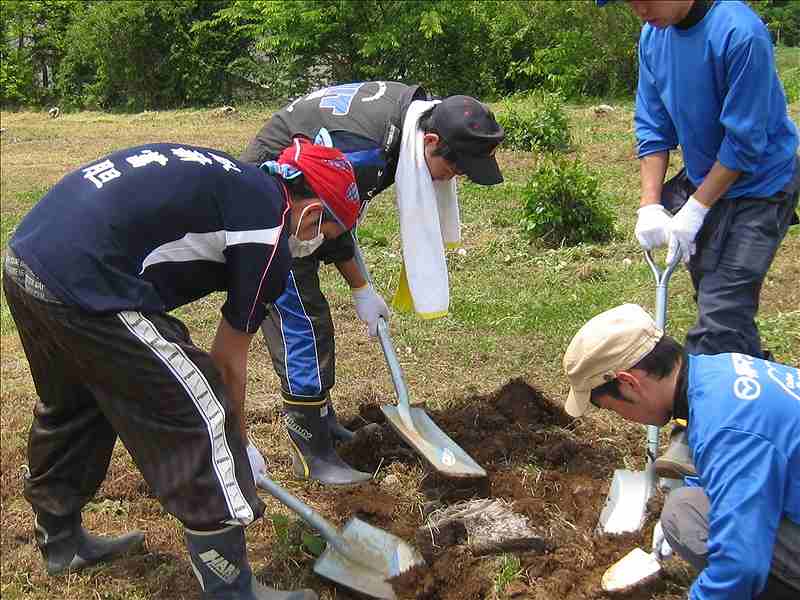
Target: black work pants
(735, 249)
(137, 376)
(734, 253)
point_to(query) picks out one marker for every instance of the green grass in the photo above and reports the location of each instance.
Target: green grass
(788, 64)
(513, 308)
(787, 59)
(10, 216)
(508, 570)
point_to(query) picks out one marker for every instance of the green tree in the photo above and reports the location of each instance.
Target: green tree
(782, 18)
(16, 74)
(142, 54)
(485, 48)
(135, 54)
(33, 45)
(313, 42)
(571, 47)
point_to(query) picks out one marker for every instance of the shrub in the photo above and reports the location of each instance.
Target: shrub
(562, 205)
(569, 47)
(534, 122)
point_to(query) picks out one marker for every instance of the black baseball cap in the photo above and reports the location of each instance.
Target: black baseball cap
(472, 134)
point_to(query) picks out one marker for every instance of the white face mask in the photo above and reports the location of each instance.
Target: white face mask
(301, 248)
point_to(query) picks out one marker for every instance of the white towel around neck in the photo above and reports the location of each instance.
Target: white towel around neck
(429, 222)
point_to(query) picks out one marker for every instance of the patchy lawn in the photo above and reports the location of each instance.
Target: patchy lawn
(513, 310)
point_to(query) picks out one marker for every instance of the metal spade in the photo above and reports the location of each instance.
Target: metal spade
(625, 509)
(413, 424)
(361, 557)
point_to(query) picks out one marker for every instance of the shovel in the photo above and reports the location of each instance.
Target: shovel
(626, 505)
(413, 424)
(635, 569)
(361, 557)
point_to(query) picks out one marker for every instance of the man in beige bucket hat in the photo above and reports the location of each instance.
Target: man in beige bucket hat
(738, 521)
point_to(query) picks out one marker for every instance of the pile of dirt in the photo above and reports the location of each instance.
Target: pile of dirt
(456, 575)
(534, 460)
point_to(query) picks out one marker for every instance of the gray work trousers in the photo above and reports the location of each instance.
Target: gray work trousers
(685, 523)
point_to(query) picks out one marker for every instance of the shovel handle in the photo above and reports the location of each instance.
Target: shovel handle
(389, 352)
(661, 277)
(662, 281)
(305, 512)
(394, 366)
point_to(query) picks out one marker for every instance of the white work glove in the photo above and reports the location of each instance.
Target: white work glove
(683, 229)
(651, 226)
(661, 548)
(369, 307)
(257, 463)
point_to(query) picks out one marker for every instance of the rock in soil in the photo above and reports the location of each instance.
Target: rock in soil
(484, 526)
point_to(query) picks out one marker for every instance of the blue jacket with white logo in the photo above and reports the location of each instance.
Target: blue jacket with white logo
(158, 226)
(744, 431)
(713, 89)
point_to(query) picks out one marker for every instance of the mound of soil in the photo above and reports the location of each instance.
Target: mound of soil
(534, 460)
(455, 575)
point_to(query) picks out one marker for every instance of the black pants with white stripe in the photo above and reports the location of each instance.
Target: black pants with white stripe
(136, 376)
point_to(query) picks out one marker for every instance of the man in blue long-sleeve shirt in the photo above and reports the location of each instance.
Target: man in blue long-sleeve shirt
(741, 526)
(708, 83)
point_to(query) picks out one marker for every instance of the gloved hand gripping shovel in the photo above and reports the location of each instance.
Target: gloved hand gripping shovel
(413, 424)
(360, 557)
(626, 505)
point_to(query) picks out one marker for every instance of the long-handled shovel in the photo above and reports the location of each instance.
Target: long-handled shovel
(626, 505)
(361, 557)
(413, 424)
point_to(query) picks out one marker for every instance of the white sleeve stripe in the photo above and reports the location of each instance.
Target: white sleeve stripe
(256, 236)
(208, 246)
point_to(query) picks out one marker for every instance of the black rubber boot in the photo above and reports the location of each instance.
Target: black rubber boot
(677, 461)
(311, 446)
(67, 547)
(219, 561)
(339, 432)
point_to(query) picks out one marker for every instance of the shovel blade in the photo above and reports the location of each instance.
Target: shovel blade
(433, 444)
(373, 557)
(632, 570)
(626, 504)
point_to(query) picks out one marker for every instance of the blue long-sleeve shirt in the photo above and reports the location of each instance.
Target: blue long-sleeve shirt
(744, 432)
(714, 90)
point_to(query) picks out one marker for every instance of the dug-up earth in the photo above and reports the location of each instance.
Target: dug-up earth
(553, 470)
(560, 491)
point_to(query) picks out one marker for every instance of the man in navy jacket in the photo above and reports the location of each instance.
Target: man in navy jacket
(91, 274)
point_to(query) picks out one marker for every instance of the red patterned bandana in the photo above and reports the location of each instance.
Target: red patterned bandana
(329, 174)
